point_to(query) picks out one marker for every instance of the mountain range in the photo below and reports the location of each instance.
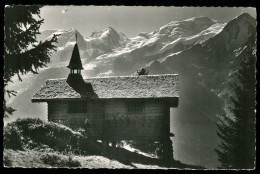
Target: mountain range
(201, 50)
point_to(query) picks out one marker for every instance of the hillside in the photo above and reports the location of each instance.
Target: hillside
(60, 146)
(35, 159)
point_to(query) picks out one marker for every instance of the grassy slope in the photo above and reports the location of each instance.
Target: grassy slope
(32, 159)
(35, 143)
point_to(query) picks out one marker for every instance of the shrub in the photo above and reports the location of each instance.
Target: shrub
(73, 163)
(36, 134)
(12, 138)
(56, 160)
(7, 161)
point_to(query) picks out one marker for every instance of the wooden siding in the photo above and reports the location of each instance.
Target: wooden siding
(108, 119)
(92, 120)
(120, 125)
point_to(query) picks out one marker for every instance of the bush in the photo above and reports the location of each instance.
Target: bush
(7, 161)
(36, 134)
(12, 138)
(59, 161)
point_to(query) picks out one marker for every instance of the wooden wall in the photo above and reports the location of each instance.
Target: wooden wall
(92, 120)
(108, 119)
(147, 125)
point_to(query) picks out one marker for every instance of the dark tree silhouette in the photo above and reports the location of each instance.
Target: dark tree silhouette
(21, 54)
(237, 131)
(142, 71)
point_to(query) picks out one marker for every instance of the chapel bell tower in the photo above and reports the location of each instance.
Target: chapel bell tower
(75, 64)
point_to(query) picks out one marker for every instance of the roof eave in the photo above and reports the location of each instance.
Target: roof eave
(173, 100)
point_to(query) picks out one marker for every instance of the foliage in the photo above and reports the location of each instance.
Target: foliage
(21, 53)
(12, 138)
(7, 161)
(36, 134)
(142, 71)
(237, 134)
(56, 160)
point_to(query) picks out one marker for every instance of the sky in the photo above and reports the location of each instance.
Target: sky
(131, 20)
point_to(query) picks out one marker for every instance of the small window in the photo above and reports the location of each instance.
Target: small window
(135, 107)
(77, 107)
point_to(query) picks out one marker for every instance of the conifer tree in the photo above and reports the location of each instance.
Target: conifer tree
(237, 134)
(21, 53)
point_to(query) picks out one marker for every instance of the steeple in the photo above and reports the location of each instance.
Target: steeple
(75, 62)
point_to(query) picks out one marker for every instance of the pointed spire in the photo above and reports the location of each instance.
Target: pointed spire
(75, 62)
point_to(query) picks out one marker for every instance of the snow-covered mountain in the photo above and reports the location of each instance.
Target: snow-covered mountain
(215, 57)
(112, 51)
(106, 40)
(65, 44)
(171, 38)
(202, 51)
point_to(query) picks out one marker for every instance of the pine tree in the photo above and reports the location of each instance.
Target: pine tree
(237, 146)
(21, 54)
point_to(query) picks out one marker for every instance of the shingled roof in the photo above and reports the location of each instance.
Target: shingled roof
(148, 86)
